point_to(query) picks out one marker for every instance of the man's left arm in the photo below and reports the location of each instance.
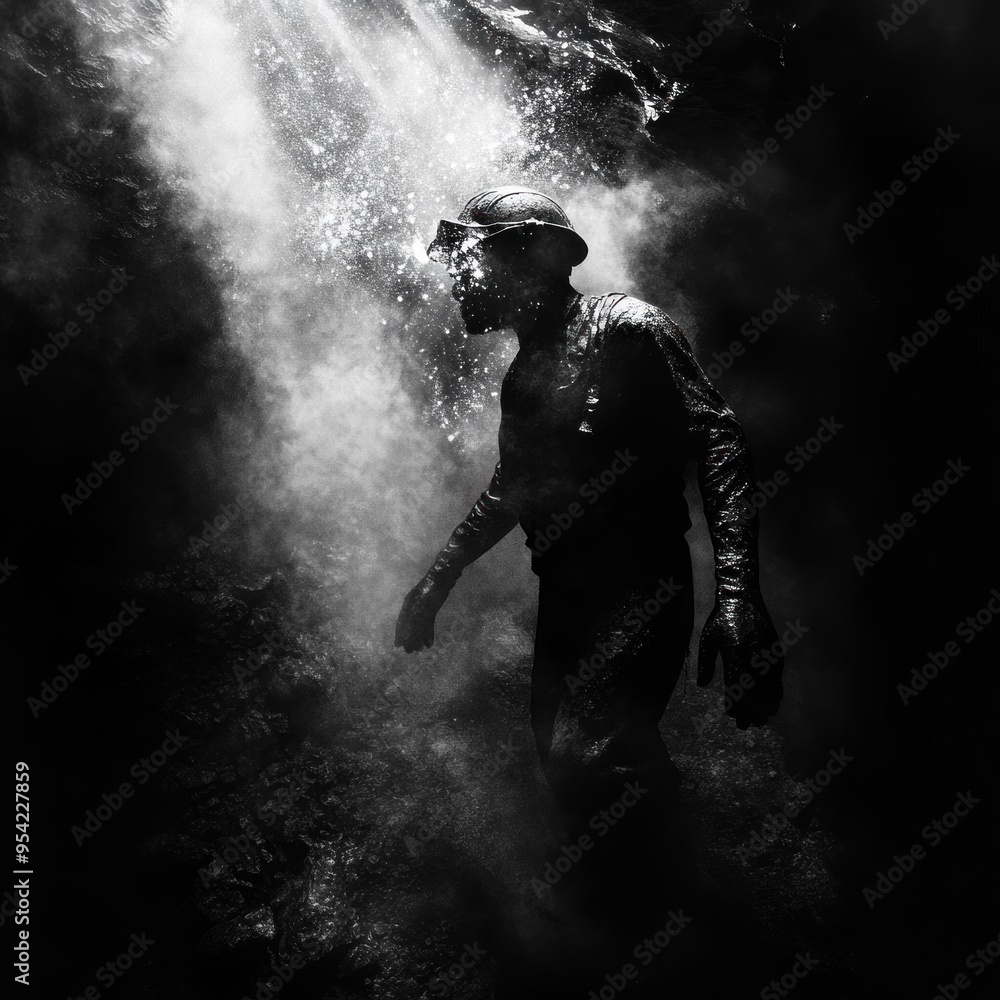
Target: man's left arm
(739, 627)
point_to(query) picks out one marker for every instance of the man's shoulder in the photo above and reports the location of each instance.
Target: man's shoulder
(630, 317)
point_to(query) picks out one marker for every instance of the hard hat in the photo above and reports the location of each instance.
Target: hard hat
(500, 210)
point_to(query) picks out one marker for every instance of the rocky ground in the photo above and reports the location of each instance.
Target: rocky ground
(369, 826)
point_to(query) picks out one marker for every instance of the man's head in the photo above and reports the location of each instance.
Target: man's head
(508, 248)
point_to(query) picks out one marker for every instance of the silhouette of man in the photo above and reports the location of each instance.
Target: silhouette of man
(601, 408)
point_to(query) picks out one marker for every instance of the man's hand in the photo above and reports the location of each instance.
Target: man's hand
(415, 623)
(740, 629)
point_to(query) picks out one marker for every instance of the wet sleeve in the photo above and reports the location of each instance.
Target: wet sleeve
(725, 472)
(491, 518)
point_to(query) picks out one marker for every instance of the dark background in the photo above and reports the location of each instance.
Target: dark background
(827, 358)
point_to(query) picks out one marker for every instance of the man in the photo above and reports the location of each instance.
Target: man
(601, 408)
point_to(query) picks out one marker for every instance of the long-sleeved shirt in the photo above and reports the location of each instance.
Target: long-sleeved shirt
(597, 427)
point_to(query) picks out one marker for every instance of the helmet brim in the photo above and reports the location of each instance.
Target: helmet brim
(453, 236)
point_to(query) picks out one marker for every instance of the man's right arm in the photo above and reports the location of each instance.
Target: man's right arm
(492, 517)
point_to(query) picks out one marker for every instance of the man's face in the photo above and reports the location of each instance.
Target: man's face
(484, 286)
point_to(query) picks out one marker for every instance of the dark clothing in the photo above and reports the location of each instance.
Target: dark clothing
(597, 427)
(595, 433)
(607, 657)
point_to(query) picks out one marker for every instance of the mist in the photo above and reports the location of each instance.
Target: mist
(270, 173)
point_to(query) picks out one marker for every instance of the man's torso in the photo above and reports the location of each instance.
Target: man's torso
(592, 441)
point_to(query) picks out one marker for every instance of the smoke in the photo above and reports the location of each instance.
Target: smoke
(310, 149)
(306, 151)
(271, 172)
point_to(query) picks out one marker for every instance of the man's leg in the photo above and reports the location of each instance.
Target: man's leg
(607, 658)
